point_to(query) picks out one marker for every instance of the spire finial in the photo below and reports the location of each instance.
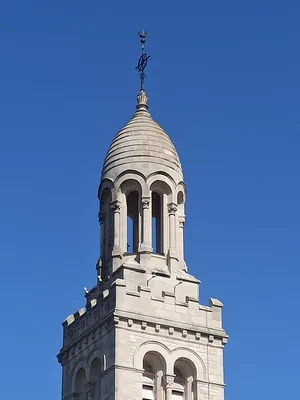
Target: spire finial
(143, 58)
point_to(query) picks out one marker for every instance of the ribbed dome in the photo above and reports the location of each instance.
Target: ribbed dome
(142, 145)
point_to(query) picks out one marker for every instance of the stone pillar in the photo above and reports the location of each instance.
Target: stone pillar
(146, 226)
(189, 389)
(90, 391)
(101, 217)
(116, 253)
(181, 221)
(172, 209)
(200, 389)
(168, 384)
(173, 256)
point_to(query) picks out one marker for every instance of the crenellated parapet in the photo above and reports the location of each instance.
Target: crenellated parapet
(144, 310)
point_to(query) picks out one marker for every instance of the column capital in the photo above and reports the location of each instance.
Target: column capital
(172, 208)
(181, 220)
(116, 206)
(168, 381)
(89, 389)
(101, 217)
(145, 202)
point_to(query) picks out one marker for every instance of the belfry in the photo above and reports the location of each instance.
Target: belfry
(142, 333)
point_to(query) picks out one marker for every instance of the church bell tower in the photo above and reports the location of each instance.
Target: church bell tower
(142, 334)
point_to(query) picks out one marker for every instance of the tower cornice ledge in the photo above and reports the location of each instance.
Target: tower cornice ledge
(163, 322)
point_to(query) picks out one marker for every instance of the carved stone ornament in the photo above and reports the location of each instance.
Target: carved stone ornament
(169, 381)
(145, 202)
(181, 222)
(116, 206)
(172, 208)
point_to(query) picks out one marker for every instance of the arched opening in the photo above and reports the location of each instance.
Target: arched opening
(95, 377)
(180, 198)
(161, 196)
(132, 222)
(185, 373)
(106, 231)
(154, 369)
(157, 216)
(148, 382)
(80, 381)
(178, 391)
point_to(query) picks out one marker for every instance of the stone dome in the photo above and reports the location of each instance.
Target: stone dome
(142, 145)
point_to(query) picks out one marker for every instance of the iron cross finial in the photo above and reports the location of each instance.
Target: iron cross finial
(142, 63)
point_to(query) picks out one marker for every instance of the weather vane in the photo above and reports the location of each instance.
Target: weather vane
(143, 60)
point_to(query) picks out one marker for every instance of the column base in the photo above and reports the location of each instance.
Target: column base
(145, 248)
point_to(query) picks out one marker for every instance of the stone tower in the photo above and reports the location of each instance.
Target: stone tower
(142, 333)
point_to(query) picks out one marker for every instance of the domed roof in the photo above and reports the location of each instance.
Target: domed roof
(142, 145)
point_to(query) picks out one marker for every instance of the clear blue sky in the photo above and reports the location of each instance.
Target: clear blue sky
(224, 82)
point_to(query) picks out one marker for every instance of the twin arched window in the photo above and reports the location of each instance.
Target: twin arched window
(153, 384)
(93, 379)
(134, 219)
(148, 383)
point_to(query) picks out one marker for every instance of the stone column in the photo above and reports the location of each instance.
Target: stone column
(189, 389)
(101, 217)
(172, 209)
(173, 256)
(181, 221)
(90, 391)
(168, 384)
(146, 226)
(116, 253)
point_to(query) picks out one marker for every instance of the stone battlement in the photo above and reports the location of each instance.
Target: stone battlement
(141, 306)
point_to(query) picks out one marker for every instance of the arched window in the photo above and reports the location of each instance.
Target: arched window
(154, 369)
(185, 373)
(148, 382)
(157, 233)
(132, 222)
(95, 377)
(178, 391)
(80, 381)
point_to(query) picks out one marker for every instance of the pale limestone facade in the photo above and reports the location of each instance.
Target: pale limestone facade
(143, 333)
